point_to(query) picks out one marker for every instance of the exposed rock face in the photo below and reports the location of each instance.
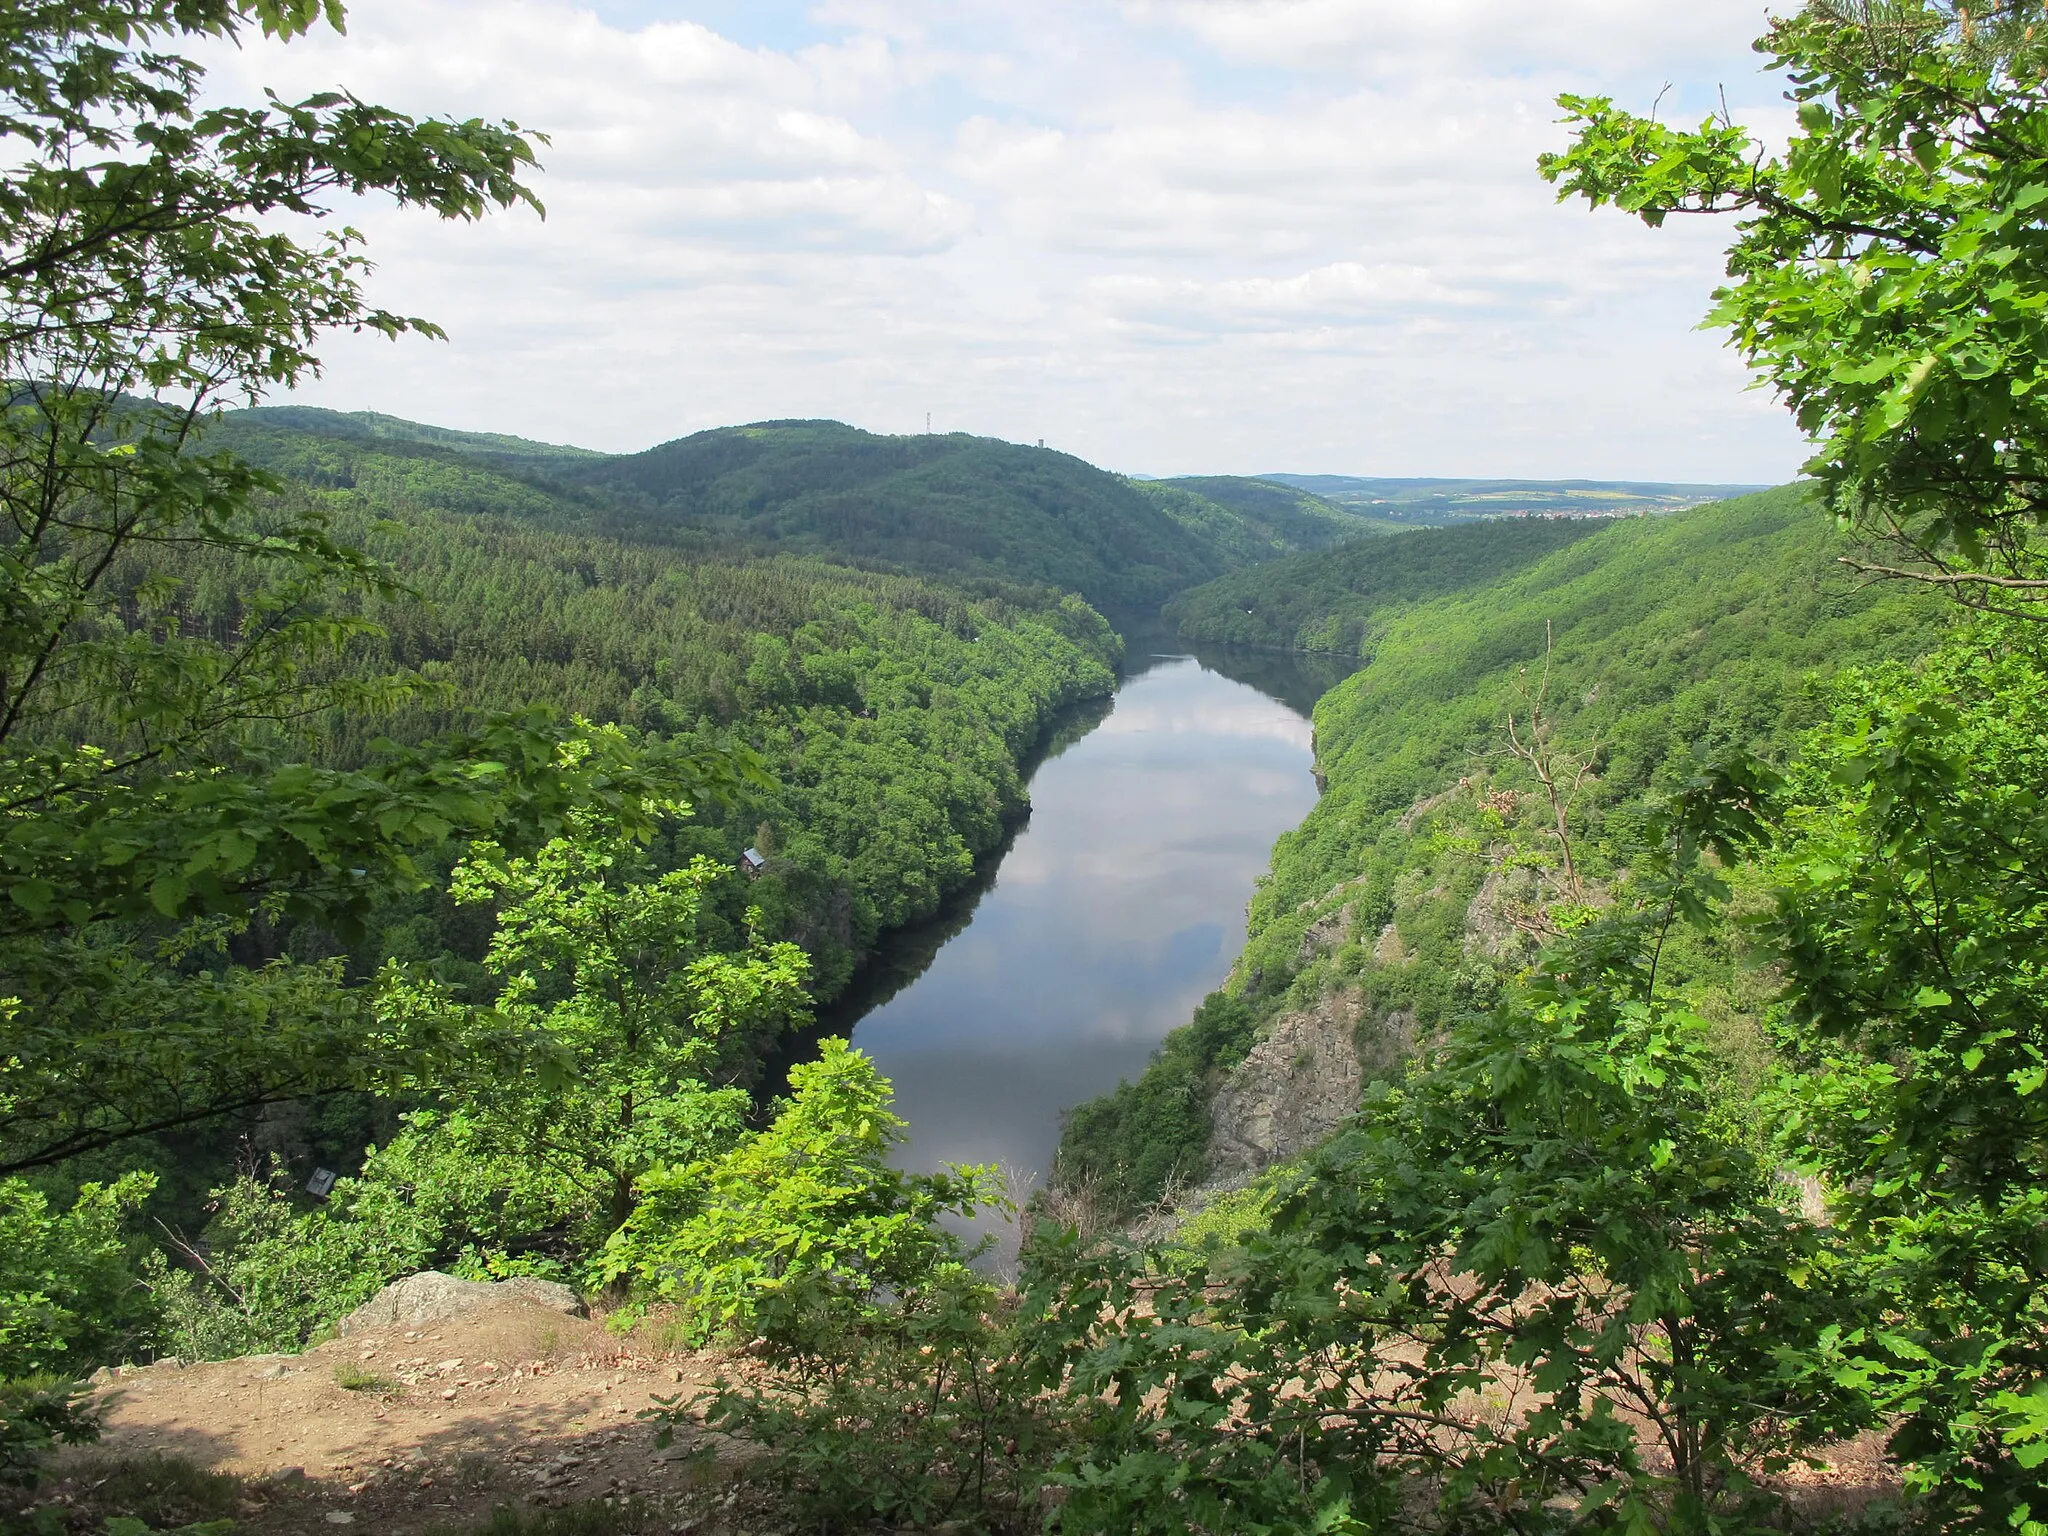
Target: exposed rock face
(1327, 932)
(1295, 1087)
(1498, 924)
(1300, 1081)
(432, 1297)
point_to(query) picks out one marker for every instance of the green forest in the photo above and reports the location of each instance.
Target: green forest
(478, 817)
(874, 703)
(1660, 642)
(1341, 600)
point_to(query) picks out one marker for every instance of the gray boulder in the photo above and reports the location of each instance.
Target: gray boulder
(431, 1297)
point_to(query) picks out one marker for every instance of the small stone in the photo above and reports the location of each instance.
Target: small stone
(447, 1394)
(339, 1517)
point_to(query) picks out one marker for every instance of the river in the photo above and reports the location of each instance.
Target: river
(1114, 910)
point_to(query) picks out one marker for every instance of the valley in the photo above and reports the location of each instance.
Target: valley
(1130, 907)
(802, 978)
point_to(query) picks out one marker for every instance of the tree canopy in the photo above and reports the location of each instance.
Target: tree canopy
(160, 256)
(1890, 270)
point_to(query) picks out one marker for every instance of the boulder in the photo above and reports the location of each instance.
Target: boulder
(429, 1297)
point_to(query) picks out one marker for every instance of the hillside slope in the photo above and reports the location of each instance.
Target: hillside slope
(1405, 895)
(1338, 600)
(1287, 509)
(952, 506)
(893, 710)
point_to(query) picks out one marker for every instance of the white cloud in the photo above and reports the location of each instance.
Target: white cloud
(1174, 235)
(1497, 35)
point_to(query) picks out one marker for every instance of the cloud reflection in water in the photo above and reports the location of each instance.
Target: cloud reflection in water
(1120, 906)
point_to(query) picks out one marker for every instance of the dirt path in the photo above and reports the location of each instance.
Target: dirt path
(406, 1430)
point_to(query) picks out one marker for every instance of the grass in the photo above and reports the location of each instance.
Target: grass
(351, 1377)
(662, 1329)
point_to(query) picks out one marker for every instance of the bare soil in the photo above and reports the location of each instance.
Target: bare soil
(410, 1431)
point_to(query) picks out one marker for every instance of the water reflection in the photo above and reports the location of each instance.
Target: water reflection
(1118, 906)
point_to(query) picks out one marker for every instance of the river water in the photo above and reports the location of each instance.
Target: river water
(1115, 909)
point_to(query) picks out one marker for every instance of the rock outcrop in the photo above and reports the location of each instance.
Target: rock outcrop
(431, 1297)
(1295, 1087)
(1501, 923)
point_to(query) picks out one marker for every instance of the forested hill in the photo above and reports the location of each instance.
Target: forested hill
(951, 506)
(275, 423)
(1704, 630)
(1286, 508)
(894, 713)
(1338, 600)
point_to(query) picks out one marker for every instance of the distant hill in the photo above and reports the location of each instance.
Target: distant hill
(1423, 503)
(950, 506)
(1338, 600)
(392, 431)
(1278, 504)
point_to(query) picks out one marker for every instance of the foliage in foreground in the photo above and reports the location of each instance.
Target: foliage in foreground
(36, 1413)
(1913, 918)
(1889, 266)
(798, 1230)
(919, 1414)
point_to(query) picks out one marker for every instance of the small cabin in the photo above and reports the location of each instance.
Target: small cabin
(753, 861)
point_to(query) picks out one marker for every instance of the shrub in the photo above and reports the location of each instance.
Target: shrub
(919, 1418)
(273, 1273)
(68, 1295)
(36, 1413)
(802, 1229)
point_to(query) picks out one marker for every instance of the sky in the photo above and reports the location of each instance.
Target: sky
(1169, 236)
